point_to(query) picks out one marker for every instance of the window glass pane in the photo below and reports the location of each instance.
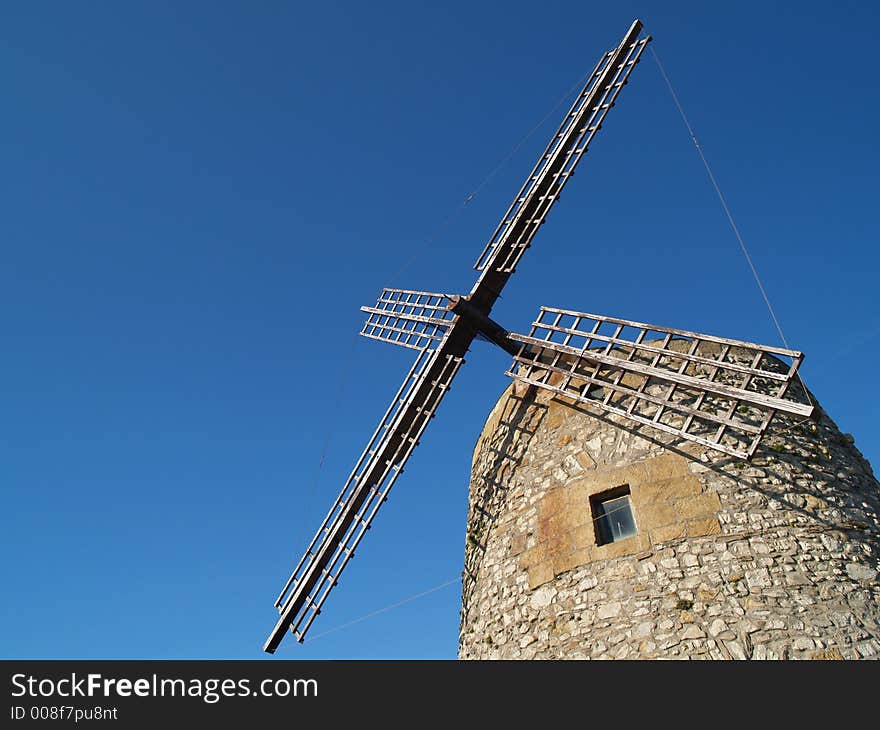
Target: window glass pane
(616, 521)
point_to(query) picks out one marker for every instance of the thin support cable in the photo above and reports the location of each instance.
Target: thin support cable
(344, 378)
(455, 212)
(578, 84)
(386, 609)
(727, 212)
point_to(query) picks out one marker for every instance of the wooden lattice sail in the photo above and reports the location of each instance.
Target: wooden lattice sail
(715, 391)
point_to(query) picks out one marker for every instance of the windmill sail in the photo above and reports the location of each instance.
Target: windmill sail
(414, 319)
(717, 392)
(544, 184)
(366, 489)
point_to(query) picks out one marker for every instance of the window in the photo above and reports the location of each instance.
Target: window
(613, 515)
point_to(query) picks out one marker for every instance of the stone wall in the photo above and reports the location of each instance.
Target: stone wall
(776, 558)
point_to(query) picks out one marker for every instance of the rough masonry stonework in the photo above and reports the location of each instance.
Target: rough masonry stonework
(776, 558)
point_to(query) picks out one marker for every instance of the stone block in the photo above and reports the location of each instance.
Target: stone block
(814, 504)
(796, 579)
(703, 526)
(629, 546)
(803, 643)
(667, 532)
(578, 512)
(832, 654)
(619, 569)
(540, 573)
(700, 505)
(558, 543)
(706, 594)
(585, 460)
(555, 415)
(542, 597)
(735, 649)
(520, 389)
(656, 514)
(584, 536)
(667, 466)
(717, 627)
(664, 490)
(758, 578)
(517, 544)
(571, 465)
(575, 559)
(534, 555)
(860, 572)
(692, 631)
(552, 503)
(608, 610)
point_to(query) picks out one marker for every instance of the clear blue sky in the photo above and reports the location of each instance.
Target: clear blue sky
(197, 197)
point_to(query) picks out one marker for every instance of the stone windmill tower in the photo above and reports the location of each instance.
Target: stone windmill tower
(638, 490)
(592, 537)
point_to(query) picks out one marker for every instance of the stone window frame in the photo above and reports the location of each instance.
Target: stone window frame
(669, 503)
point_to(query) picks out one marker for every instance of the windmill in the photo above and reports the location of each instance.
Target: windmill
(717, 392)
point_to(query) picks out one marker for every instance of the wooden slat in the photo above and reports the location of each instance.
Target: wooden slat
(672, 377)
(683, 333)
